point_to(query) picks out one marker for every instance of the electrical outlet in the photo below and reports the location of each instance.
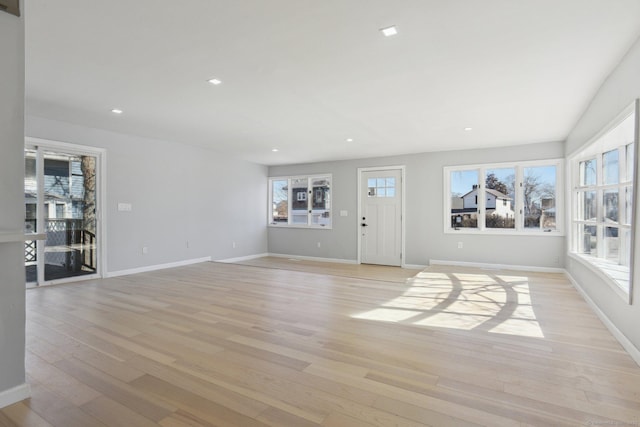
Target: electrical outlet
(319, 244)
(233, 245)
(145, 250)
(460, 245)
(187, 244)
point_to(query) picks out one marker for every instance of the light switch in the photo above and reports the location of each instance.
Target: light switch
(344, 213)
(124, 207)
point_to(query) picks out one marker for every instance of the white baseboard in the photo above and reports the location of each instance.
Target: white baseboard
(415, 266)
(157, 267)
(633, 351)
(497, 266)
(309, 258)
(242, 258)
(312, 258)
(15, 394)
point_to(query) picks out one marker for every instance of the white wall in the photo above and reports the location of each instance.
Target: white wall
(178, 193)
(616, 93)
(424, 223)
(12, 291)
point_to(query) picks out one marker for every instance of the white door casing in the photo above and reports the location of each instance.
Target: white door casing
(380, 215)
(41, 145)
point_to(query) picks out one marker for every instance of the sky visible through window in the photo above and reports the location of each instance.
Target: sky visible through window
(462, 181)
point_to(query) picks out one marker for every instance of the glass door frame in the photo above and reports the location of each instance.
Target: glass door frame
(40, 146)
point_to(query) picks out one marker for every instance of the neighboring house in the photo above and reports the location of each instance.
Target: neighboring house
(497, 203)
(63, 189)
(456, 203)
(300, 194)
(466, 207)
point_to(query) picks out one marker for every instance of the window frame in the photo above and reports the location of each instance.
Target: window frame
(594, 149)
(309, 198)
(518, 203)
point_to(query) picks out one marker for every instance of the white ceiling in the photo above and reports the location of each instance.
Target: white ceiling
(303, 76)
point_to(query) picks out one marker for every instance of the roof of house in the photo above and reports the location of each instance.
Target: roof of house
(496, 193)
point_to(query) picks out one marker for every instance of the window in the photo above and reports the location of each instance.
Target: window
(602, 200)
(499, 190)
(300, 201)
(539, 189)
(279, 201)
(503, 198)
(381, 187)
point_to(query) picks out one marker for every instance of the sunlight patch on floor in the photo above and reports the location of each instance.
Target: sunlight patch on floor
(388, 314)
(453, 320)
(494, 303)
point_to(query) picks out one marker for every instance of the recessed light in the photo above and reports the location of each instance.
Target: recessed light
(468, 129)
(349, 139)
(214, 81)
(275, 150)
(389, 31)
(117, 111)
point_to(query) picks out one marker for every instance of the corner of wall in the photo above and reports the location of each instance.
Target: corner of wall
(633, 351)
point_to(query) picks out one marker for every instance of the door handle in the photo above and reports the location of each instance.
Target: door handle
(364, 225)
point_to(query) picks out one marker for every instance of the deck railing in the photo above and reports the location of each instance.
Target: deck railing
(77, 246)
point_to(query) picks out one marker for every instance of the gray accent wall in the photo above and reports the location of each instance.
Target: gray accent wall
(12, 290)
(619, 90)
(425, 237)
(187, 202)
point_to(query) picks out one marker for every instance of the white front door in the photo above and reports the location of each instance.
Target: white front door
(380, 222)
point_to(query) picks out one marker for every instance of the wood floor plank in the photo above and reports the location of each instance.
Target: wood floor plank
(336, 419)
(314, 414)
(182, 419)
(145, 405)
(5, 421)
(57, 411)
(423, 415)
(440, 401)
(59, 381)
(194, 404)
(210, 391)
(20, 414)
(277, 342)
(118, 369)
(115, 414)
(276, 417)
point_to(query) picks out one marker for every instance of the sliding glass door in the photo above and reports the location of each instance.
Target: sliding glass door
(61, 201)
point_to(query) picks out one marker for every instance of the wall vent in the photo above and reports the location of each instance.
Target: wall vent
(10, 6)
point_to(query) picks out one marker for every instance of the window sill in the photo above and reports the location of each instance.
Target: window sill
(303, 227)
(503, 232)
(615, 275)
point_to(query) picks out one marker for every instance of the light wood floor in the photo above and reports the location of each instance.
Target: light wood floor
(362, 271)
(237, 345)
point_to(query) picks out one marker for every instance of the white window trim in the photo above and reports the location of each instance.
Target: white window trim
(585, 152)
(517, 231)
(309, 224)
